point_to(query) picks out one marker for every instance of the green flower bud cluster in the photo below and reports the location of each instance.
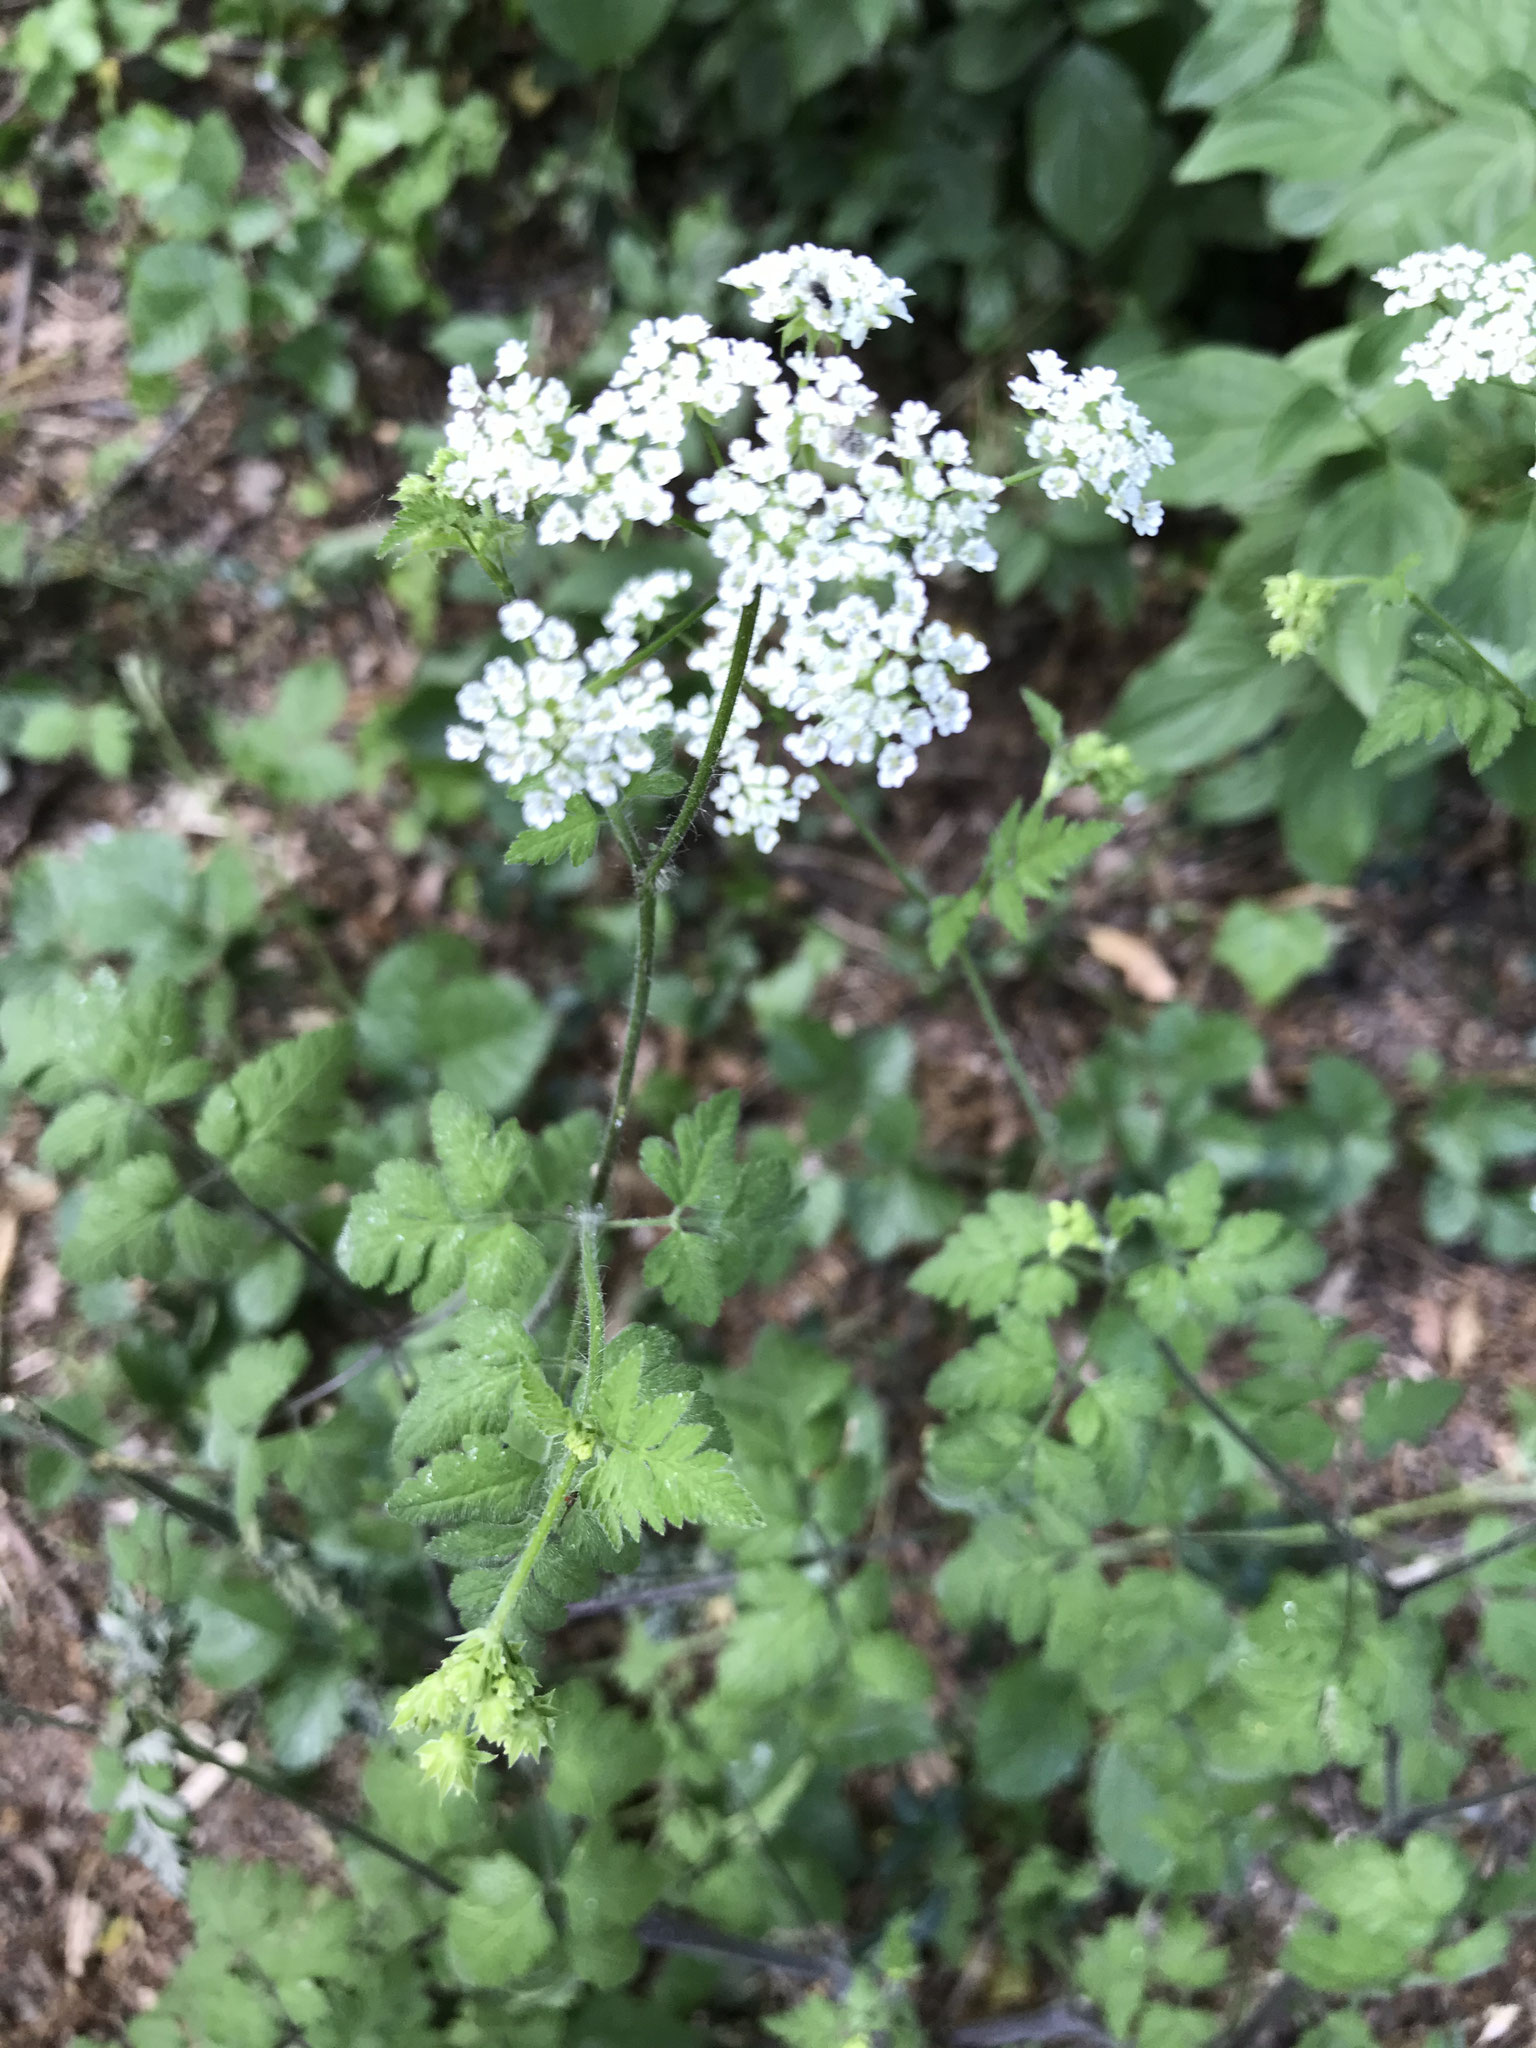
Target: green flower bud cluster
(1072, 1228)
(1093, 762)
(1300, 603)
(482, 1693)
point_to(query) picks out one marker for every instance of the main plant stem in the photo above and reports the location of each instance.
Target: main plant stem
(533, 1549)
(648, 881)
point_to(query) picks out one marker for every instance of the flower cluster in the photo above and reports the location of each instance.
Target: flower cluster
(833, 520)
(482, 1692)
(1492, 335)
(522, 443)
(1090, 433)
(821, 292)
(563, 719)
(845, 645)
(1091, 761)
(1299, 604)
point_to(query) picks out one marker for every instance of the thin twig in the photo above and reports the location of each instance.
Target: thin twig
(1347, 1542)
(20, 305)
(661, 1928)
(1442, 1809)
(1042, 1119)
(31, 1421)
(1404, 1585)
(176, 423)
(1049, 2023)
(385, 1347)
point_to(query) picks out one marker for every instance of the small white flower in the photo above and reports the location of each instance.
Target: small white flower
(519, 620)
(830, 291)
(1089, 432)
(1493, 334)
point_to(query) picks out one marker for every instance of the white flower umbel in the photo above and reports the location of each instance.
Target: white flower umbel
(1090, 433)
(555, 720)
(520, 444)
(834, 521)
(1493, 334)
(821, 292)
(839, 526)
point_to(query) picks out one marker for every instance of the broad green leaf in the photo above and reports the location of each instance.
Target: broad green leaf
(479, 1162)
(1375, 524)
(1330, 808)
(497, 1926)
(979, 1267)
(1469, 181)
(1315, 121)
(1032, 1731)
(182, 298)
(287, 752)
(252, 1379)
(457, 1397)
(484, 1482)
(306, 1716)
(1270, 951)
(598, 34)
(685, 1268)
(1091, 147)
(1215, 690)
(263, 1121)
(607, 1885)
(1405, 1411)
(603, 1754)
(1243, 43)
(1366, 33)
(121, 1232)
(1217, 406)
(698, 1169)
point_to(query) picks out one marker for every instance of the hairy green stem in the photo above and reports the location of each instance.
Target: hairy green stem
(703, 775)
(592, 1291)
(647, 885)
(1438, 618)
(533, 1549)
(653, 647)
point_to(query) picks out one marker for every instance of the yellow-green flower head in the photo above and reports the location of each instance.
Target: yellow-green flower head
(482, 1689)
(1072, 1228)
(450, 1760)
(516, 1727)
(1093, 762)
(1300, 604)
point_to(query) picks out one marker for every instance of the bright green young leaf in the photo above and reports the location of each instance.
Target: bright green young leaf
(1270, 951)
(1032, 1732)
(979, 1267)
(498, 1926)
(265, 1119)
(287, 752)
(657, 1469)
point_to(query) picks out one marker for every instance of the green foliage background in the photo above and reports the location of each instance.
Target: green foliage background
(1167, 1642)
